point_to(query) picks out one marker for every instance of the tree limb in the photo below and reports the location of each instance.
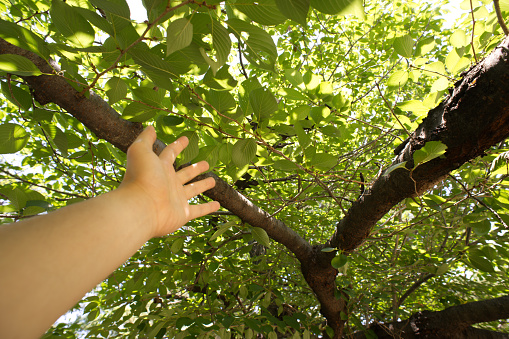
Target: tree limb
(97, 115)
(453, 322)
(474, 117)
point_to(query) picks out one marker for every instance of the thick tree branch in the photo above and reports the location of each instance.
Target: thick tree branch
(474, 117)
(97, 115)
(453, 322)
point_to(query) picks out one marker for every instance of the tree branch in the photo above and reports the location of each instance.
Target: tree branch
(453, 322)
(474, 117)
(500, 19)
(97, 115)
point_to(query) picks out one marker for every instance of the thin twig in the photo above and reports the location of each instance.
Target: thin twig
(394, 114)
(481, 202)
(473, 29)
(142, 36)
(501, 21)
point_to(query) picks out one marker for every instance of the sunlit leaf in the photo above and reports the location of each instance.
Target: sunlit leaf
(71, 24)
(243, 152)
(354, 7)
(296, 10)
(398, 79)
(263, 103)
(265, 12)
(178, 35)
(116, 89)
(18, 65)
(12, 138)
(403, 45)
(430, 151)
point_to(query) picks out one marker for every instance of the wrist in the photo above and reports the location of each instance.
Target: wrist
(133, 201)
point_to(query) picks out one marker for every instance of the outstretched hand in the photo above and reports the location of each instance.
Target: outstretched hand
(165, 193)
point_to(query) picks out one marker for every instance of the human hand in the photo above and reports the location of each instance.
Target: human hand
(153, 181)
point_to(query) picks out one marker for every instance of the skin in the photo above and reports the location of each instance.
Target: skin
(48, 263)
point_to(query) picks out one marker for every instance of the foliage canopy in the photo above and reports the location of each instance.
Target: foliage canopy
(299, 105)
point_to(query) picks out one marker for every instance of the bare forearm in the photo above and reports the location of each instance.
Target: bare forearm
(49, 262)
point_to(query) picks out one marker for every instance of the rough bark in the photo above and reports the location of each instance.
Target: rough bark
(474, 117)
(453, 322)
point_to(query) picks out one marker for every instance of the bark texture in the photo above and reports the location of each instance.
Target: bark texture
(473, 118)
(453, 322)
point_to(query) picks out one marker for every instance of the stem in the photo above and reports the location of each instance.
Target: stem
(501, 21)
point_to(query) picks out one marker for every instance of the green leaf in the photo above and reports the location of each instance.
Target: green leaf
(243, 152)
(222, 101)
(152, 62)
(18, 65)
(397, 79)
(259, 48)
(291, 94)
(479, 261)
(222, 228)
(318, 114)
(60, 141)
(303, 137)
(192, 150)
(24, 38)
(184, 321)
(424, 46)
(221, 44)
(403, 45)
(435, 69)
(481, 228)
(263, 103)
(42, 115)
(440, 84)
(265, 12)
(331, 131)
(328, 249)
(297, 10)
(413, 106)
(261, 236)
(118, 8)
(17, 95)
(324, 161)
(430, 151)
(177, 245)
(285, 165)
(295, 78)
(344, 7)
(71, 24)
(13, 138)
(149, 95)
(179, 34)
(459, 38)
(339, 260)
(138, 112)
(442, 269)
(96, 20)
(116, 89)
(221, 81)
(312, 81)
